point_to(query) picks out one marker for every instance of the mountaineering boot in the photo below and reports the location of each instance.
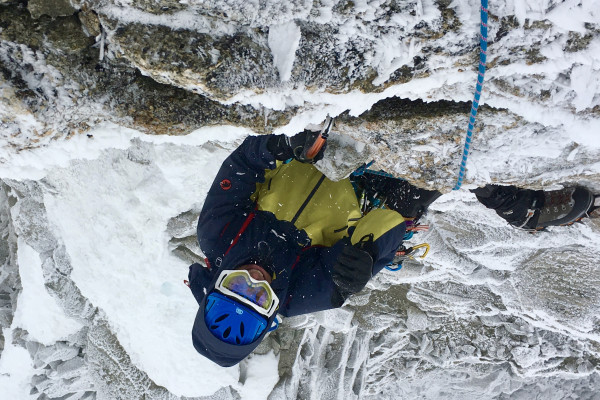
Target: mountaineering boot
(563, 207)
(594, 211)
(536, 209)
(394, 193)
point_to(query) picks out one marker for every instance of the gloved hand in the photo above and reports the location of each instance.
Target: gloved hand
(352, 270)
(284, 147)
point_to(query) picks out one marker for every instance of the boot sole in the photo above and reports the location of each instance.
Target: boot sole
(584, 200)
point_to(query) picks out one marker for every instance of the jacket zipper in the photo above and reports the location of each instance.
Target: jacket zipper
(310, 196)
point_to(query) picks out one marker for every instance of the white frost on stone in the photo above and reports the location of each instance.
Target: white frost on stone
(283, 41)
(38, 312)
(16, 370)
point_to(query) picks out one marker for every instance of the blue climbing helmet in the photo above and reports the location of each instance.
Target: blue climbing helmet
(237, 311)
(231, 321)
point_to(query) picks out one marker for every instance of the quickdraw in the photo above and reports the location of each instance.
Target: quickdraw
(408, 252)
(405, 253)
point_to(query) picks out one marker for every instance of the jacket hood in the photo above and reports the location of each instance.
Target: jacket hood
(221, 353)
(224, 354)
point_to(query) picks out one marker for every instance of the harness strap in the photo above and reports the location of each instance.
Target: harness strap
(242, 229)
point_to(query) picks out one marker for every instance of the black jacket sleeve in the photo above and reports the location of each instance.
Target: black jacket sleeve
(228, 200)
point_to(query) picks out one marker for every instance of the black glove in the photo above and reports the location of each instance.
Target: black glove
(352, 270)
(285, 147)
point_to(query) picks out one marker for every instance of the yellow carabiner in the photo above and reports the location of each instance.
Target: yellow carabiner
(419, 246)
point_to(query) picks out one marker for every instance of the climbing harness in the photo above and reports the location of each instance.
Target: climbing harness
(365, 168)
(478, 88)
(370, 200)
(404, 253)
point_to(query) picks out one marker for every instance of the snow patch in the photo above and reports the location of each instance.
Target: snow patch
(261, 376)
(114, 231)
(16, 370)
(35, 163)
(585, 81)
(571, 15)
(38, 312)
(391, 55)
(283, 41)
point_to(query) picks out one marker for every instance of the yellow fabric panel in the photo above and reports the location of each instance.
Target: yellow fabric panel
(377, 222)
(332, 209)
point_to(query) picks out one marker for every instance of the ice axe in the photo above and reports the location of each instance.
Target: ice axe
(321, 139)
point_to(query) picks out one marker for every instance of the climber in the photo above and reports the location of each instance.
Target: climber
(280, 238)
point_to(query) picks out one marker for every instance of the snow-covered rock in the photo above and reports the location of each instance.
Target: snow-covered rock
(116, 114)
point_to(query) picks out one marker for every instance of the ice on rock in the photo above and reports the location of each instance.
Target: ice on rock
(343, 156)
(69, 369)
(526, 356)
(60, 351)
(110, 215)
(335, 320)
(417, 320)
(545, 284)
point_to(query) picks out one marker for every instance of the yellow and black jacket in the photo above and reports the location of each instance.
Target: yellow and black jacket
(289, 218)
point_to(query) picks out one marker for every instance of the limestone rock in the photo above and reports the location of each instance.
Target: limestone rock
(52, 8)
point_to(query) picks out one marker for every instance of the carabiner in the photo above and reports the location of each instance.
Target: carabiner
(420, 246)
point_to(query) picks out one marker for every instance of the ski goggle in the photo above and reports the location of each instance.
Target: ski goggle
(239, 285)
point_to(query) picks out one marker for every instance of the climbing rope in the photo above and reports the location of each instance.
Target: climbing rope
(478, 87)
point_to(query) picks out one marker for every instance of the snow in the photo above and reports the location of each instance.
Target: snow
(283, 41)
(35, 164)
(177, 20)
(571, 15)
(16, 370)
(261, 377)
(37, 312)
(120, 257)
(585, 81)
(110, 194)
(391, 55)
(114, 232)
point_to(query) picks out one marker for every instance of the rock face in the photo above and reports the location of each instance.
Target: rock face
(483, 313)
(57, 85)
(482, 317)
(51, 8)
(404, 70)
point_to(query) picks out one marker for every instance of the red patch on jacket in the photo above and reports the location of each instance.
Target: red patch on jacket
(225, 184)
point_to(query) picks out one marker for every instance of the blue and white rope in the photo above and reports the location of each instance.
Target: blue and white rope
(478, 88)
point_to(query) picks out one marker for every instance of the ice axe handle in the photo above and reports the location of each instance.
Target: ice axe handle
(320, 140)
(316, 147)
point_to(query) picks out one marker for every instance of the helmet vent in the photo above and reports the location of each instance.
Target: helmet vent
(225, 323)
(221, 318)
